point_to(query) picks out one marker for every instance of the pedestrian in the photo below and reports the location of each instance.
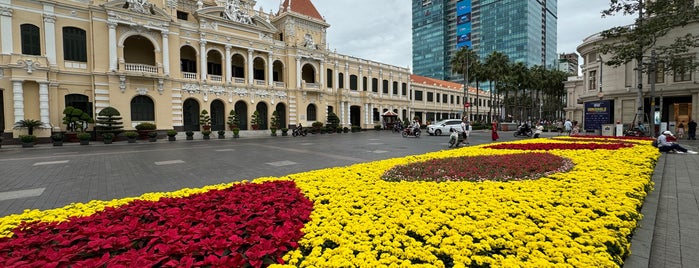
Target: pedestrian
(680, 130)
(494, 131)
(669, 147)
(692, 130)
(538, 130)
(568, 126)
(575, 130)
(466, 129)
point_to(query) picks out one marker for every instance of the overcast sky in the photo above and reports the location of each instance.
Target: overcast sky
(381, 30)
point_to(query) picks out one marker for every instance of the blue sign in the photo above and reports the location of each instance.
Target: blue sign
(598, 113)
(463, 24)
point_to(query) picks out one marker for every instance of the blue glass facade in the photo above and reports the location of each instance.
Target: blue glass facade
(524, 30)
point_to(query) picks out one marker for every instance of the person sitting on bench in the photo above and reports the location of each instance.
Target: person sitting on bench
(666, 146)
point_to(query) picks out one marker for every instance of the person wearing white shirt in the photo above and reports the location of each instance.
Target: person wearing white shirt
(466, 129)
(666, 146)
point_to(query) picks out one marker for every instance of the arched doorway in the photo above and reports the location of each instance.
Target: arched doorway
(308, 73)
(261, 108)
(281, 115)
(355, 115)
(2, 112)
(218, 115)
(241, 108)
(191, 115)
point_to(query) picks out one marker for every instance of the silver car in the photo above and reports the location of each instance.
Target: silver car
(442, 127)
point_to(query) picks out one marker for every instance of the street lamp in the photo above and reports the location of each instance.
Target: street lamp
(465, 85)
(600, 94)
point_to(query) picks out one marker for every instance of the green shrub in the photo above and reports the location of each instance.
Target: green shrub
(131, 134)
(171, 133)
(27, 138)
(108, 136)
(153, 134)
(83, 136)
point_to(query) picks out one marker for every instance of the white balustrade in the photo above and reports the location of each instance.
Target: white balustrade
(137, 67)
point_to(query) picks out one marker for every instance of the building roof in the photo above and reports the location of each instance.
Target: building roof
(304, 7)
(417, 79)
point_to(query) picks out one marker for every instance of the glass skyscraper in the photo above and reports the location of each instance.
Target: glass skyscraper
(524, 30)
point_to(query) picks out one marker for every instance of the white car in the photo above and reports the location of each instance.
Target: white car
(442, 127)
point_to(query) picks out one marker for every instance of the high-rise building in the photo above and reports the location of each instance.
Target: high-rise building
(524, 30)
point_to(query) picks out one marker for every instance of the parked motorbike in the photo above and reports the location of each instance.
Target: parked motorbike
(298, 132)
(523, 131)
(398, 127)
(455, 138)
(408, 131)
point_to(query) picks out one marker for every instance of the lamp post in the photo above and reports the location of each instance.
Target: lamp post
(465, 85)
(601, 63)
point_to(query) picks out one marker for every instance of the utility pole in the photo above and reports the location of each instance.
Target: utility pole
(465, 84)
(652, 76)
(639, 69)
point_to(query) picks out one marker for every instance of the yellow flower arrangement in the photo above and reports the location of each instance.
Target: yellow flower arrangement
(580, 218)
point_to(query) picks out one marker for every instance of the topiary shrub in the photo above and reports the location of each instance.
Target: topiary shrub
(109, 121)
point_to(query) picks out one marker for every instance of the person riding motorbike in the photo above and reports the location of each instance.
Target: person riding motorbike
(414, 126)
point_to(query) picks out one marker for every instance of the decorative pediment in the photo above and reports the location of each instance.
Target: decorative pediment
(238, 12)
(130, 9)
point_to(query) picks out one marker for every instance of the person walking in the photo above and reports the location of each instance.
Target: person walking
(466, 129)
(680, 130)
(538, 130)
(494, 131)
(568, 126)
(692, 130)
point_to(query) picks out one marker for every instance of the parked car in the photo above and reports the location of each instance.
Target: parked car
(442, 127)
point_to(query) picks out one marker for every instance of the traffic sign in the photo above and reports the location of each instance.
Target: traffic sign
(467, 104)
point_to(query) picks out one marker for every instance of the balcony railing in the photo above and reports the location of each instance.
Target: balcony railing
(259, 82)
(311, 86)
(238, 80)
(279, 84)
(214, 78)
(192, 76)
(137, 67)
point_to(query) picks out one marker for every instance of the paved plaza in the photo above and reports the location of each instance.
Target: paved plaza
(46, 177)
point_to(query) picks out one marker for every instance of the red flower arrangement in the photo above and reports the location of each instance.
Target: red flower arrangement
(245, 225)
(481, 168)
(561, 146)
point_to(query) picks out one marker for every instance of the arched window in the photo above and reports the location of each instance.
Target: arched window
(74, 44)
(31, 40)
(311, 112)
(142, 109)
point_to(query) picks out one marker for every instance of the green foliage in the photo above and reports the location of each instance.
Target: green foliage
(30, 124)
(75, 119)
(233, 120)
(206, 132)
(256, 120)
(274, 122)
(57, 137)
(153, 134)
(189, 133)
(221, 132)
(84, 136)
(131, 134)
(333, 121)
(204, 118)
(146, 126)
(108, 136)
(109, 121)
(171, 133)
(27, 138)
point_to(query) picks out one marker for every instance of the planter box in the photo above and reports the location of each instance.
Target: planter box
(173, 138)
(152, 139)
(85, 142)
(220, 137)
(27, 144)
(107, 141)
(132, 140)
(57, 143)
(189, 138)
(207, 137)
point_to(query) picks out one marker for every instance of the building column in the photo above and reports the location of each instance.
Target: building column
(6, 27)
(360, 80)
(366, 114)
(166, 53)
(44, 103)
(250, 74)
(228, 66)
(347, 118)
(347, 77)
(321, 83)
(298, 72)
(342, 112)
(336, 75)
(112, 46)
(18, 99)
(270, 69)
(380, 84)
(50, 34)
(202, 60)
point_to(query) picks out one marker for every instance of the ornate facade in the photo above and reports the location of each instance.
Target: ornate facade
(167, 61)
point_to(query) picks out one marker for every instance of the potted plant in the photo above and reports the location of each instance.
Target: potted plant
(131, 135)
(189, 134)
(109, 121)
(27, 140)
(107, 137)
(57, 139)
(206, 134)
(255, 121)
(153, 136)
(274, 123)
(205, 120)
(285, 131)
(145, 128)
(345, 129)
(333, 122)
(221, 134)
(233, 120)
(30, 124)
(1, 138)
(171, 135)
(84, 138)
(317, 125)
(236, 131)
(356, 129)
(377, 127)
(75, 120)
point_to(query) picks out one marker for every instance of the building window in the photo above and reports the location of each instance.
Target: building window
(430, 97)
(74, 44)
(31, 40)
(189, 66)
(329, 78)
(341, 80)
(375, 85)
(444, 98)
(452, 99)
(311, 113)
(364, 83)
(395, 88)
(404, 89)
(418, 95)
(182, 15)
(353, 82)
(659, 73)
(684, 73)
(385, 86)
(592, 77)
(142, 109)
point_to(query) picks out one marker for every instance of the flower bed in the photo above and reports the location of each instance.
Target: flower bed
(583, 217)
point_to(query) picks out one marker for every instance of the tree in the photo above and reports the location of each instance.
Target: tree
(496, 69)
(466, 62)
(274, 121)
(205, 120)
(109, 121)
(75, 119)
(30, 124)
(333, 121)
(233, 120)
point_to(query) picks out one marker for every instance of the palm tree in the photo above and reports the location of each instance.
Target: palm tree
(30, 124)
(466, 62)
(496, 65)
